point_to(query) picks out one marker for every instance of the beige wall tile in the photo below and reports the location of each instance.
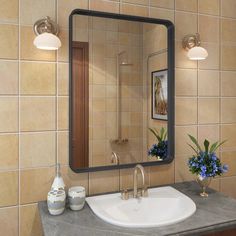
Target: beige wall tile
(35, 184)
(185, 82)
(228, 110)
(9, 188)
(228, 83)
(215, 184)
(9, 11)
(182, 172)
(9, 41)
(63, 113)
(162, 14)
(228, 27)
(37, 113)
(32, 144)
(185, 111)
(65, 7)
(27, 49)
(228, 57)
(38, 78)
(186, 23)
(190, 5)
(8, 114)
(213, 59)
(74, 179)
(103, 181)
(228, 133)
(229, 159)
(63, 78)
(182, 139)
(161, 175)
(228, 8)
(209, 29)
(9, 77)
(208, 110)
(63, 147)
(31, 11)
(211, 7)
(63, 52)
(9, 151)
(163, 3)
(134, 10)
(126, 179)
(208, 83)
(9, 221)
(100, 5)
(228, 186)
(209, 132)
(141, 2)
(30, 222)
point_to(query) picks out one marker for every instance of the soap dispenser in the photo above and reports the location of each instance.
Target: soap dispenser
(58, 183)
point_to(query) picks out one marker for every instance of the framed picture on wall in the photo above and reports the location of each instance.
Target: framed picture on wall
(159, 95)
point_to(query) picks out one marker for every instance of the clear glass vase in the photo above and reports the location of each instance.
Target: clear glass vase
(204, 183)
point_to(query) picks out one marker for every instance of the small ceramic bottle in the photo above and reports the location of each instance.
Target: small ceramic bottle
(58, 183)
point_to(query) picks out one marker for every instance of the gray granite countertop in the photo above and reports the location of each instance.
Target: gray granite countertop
(215, 213)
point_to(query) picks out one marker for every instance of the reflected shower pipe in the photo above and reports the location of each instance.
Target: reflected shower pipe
(120, 63)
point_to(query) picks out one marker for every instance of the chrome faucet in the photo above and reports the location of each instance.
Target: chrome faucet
(115, 158)
(136, 169)
(136, 192)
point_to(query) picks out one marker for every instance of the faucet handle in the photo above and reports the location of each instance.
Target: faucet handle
(125, 194)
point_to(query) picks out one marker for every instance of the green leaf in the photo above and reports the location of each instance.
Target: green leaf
(161, 133)
(165, 135)
(193, 148)
(213, 146)
(195, 142)
(155, 133)
(206, 145)
(217, 146)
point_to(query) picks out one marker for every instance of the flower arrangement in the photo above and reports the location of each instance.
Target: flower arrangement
(159, 149)
(205, 163)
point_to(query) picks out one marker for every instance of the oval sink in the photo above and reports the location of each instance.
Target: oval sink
(163, 206)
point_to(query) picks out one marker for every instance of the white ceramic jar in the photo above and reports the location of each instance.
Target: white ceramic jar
(56, 201)
(76, 197)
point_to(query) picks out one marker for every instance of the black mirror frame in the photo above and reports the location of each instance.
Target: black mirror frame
(171, 87)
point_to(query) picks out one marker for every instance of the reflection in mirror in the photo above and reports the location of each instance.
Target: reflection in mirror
(119, 97)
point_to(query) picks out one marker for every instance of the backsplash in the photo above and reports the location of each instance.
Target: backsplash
(34, 101)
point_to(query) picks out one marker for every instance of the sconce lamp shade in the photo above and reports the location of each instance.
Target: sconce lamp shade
(197, 53)
(47, 41)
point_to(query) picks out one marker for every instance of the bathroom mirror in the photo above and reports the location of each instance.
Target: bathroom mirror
(121, 86)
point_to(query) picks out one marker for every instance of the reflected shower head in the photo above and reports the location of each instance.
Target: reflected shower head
(122, 59)
(125, 64)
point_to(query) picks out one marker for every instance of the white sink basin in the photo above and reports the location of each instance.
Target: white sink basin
(163, 206)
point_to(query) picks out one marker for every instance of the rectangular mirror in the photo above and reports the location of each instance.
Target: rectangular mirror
(121, 90)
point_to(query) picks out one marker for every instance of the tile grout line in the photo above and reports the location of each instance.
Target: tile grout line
(19, 127)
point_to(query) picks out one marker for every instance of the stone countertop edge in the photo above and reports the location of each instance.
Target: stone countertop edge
(213, 214)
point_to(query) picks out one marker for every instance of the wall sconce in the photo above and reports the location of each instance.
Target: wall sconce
(46, 31)
(191, 43)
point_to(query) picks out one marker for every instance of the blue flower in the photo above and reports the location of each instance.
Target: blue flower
(225, 168)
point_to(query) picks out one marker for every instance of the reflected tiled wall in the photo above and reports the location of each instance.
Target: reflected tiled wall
(34, 100)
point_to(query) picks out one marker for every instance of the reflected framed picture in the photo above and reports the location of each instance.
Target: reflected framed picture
(159, 94)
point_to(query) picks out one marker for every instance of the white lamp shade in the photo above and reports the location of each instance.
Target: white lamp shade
(197, 53)
(47, 41)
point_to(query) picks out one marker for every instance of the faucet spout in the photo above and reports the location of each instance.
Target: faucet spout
(141, 170)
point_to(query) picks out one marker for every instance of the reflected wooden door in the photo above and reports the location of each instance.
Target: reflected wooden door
(80, 105)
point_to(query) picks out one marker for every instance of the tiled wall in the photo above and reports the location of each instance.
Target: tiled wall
(34, 100)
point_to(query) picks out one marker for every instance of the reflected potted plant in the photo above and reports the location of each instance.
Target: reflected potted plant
(205, 164)
(159, 149)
